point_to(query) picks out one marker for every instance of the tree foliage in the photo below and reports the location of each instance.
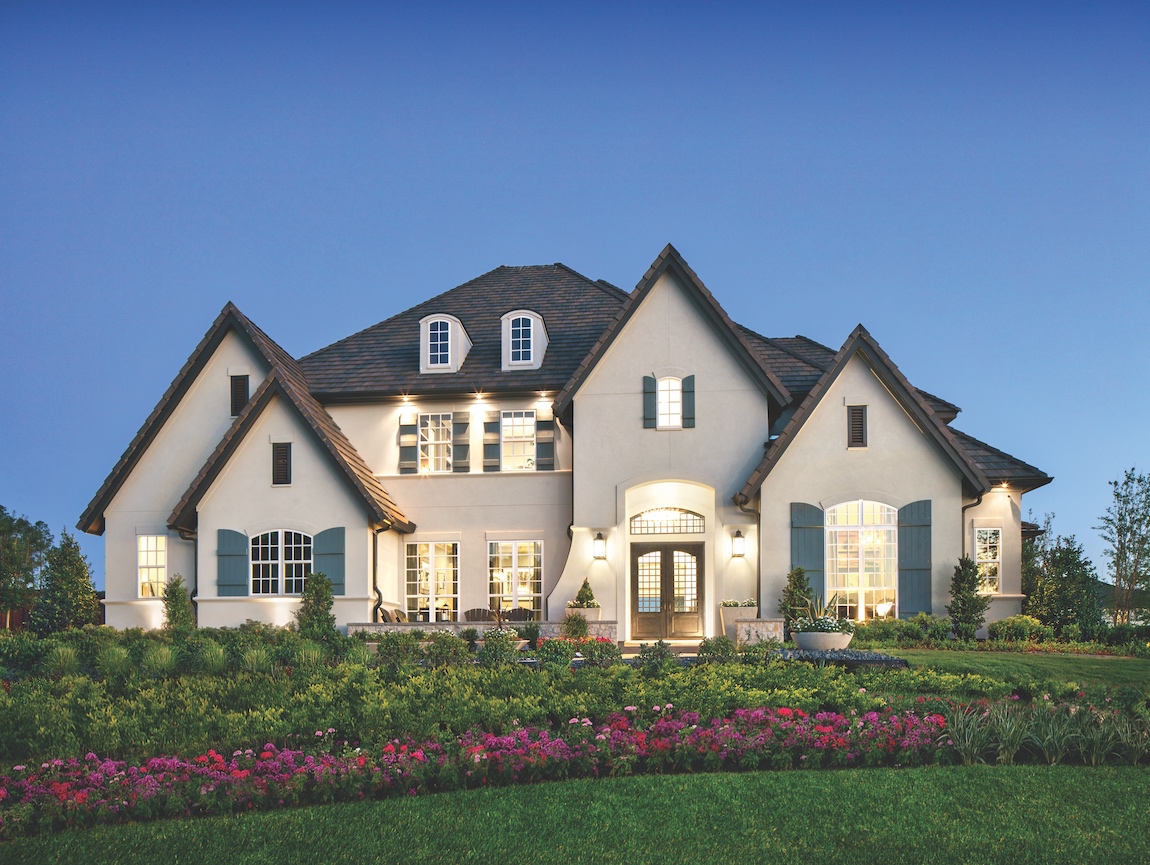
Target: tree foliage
(67, 597)
(23, 546)
(967, 608)
(314, 616)
(1126, 528)
(178, 615)
(796, 596)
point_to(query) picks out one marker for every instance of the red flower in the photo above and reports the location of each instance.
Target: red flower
(784, 712)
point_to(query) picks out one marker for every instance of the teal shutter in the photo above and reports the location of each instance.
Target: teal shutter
(688, 401)
(231, 564)
(650, 402)
(461, 442)
(492, 434)
(914, 564)
(808, 548)
(409, 445)
(327, 558)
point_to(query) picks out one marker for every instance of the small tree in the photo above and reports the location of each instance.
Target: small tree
(967, 609)
(178, 615)
(68, 598)
(1066, 589)
(796, 596)
(1126, 528)
(314, 616)
(23, 546)
(584, 598)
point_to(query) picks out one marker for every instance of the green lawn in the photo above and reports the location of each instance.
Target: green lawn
(1020, 667)
(1031, 814)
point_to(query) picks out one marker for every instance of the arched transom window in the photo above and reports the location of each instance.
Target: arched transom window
(667, 521)
(862, 559)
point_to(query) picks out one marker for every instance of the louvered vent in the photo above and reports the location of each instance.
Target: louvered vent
(239, 393)
(281, 463)
(856, 426)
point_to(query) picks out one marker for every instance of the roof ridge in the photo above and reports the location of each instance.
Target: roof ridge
(772, 342)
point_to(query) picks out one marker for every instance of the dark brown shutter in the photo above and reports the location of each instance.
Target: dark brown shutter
(856, 426)
(281, 463)
(239, 393)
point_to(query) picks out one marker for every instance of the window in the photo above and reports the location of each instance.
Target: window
(856, 426)
(435, 442)
(515, 575)
(152, 564)
(281, 561)
(518, 441)
(667, 521)
(433, 582)
(281, 463)
(521, 340)
(439, 343)
(670, 407)
(988, 556)
(862, 559)
(239, 393)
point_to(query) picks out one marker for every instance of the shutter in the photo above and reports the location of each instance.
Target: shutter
(650, 402)
(808, 548)
(461, 442)
(239, 393)
(409, 444)
(688, 402)
(544, 440)
(491, 434)
(231, 564)
(856, 426)
(281, 463)
(914, 562)
(327, 558)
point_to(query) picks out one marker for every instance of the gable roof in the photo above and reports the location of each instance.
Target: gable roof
(286, 381)
(670, 260)
(913, 402)
(383, 360)
(999, 466)
(230, 319)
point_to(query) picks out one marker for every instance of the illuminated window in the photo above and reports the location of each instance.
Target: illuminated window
(435, 442)
(515, 575)
(862, 559)
(518, 441)
(667, 521)
(152, 564)
(433, 582)
(439, 343)
(280, 561)
(988, 556)
(670, 404)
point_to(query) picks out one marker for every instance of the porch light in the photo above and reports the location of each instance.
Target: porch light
(738, 544)
(600, 546)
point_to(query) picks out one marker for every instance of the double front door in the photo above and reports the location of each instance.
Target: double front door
(666, 591)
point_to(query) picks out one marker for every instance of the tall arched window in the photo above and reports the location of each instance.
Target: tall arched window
(281, 562)
(862, 559)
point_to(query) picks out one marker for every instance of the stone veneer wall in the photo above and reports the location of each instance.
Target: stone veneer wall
(610, 630)
(751, 631)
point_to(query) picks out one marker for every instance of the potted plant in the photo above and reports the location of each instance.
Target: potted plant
(819, 630)
(585, 603)
(730, 610)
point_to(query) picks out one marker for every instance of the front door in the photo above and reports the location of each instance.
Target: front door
(666, 591)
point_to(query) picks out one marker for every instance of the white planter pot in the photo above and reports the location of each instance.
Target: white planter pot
(591, 614)
(729, 615)
(817, 641)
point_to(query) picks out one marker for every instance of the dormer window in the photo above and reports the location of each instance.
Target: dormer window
(443, 344)
(439, 343)
(524, 340)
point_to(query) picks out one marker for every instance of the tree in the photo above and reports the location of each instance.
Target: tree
(68, 598)
(967, 609)
(314, 615)
(1126, 528)
(178, 615)
(23, 545)
(1066, 590)
(796, 596)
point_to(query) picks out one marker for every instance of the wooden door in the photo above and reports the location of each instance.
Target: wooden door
(666, 591)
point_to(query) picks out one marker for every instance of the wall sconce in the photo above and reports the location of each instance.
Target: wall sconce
(599, 545)
(738, 544)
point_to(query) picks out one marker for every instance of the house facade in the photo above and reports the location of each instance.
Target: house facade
(500, 443)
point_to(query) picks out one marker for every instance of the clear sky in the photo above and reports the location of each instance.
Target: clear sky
(970, 181)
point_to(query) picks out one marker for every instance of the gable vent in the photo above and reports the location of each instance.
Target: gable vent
(281, 463)
(239, 394)
(856, 426)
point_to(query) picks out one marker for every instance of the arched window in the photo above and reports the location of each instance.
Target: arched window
(281, 561)
(439, 343)
(521, 339)
(667, 521)
(862, 559)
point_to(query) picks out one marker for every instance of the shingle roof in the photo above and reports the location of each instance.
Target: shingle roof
(383, 360)
(999, 466)
(287, 381)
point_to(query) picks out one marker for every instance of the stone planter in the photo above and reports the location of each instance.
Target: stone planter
(591, 614)
(728, 615)
(820, 641)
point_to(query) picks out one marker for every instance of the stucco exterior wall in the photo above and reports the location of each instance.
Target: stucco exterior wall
(1001, 508)
(899, 465)
(145, 500)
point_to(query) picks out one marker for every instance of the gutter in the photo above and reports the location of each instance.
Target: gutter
(375, 571)
(195, 587)
(962, 517)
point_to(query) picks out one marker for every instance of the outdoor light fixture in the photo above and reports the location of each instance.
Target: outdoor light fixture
(738, 544)
(600, 546)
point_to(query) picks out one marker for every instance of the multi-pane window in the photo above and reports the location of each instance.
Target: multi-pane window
(281, 561)
(667, 521)
(670, 403)
(152, 564)
(862, 559)
(433, 582)
(435, 442)
(521, 340)
(439, 343)
(988, 556)
(515, 575)
(518, 441)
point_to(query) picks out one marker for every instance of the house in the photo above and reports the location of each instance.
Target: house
(500, 443)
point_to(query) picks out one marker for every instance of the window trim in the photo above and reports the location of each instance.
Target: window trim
(979, 561)
(280, 563)
(526, 341)
(537, 337)
(859, 590)
(425, 445)
(660, 402)
(443, 342)
(533, 460)
(433, 597)
(162, 567)
(515, 598)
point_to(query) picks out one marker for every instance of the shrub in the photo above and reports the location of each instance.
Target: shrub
(967, 607)
(556, 652)
(717, 650)
(584, 598)
(178, 615)
(1020, 629)
(471, 635)
(256, 660)
(62, 660)
(498, 649)
(575, 626)
(113, 662)
(212, 658)
(357, 653)
(447, 650)
(398, 649)
(796, 595)
(600, 652)
(656, 658)
(308, 655)
(759, 653)
(314, 616)
(158, 660)
(530, 633)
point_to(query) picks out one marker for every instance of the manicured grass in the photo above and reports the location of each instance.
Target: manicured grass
(1032, 814)
(1021, 667)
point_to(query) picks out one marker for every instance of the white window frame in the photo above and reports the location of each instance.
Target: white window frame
(438, 343)
(432, 569)
(669, 403)
(536, 336)
(987, 564)
(151, 565)
(885, 536)
(508, 562)
(435, 453)
(525, 325)
(282, 562)
(517, 462)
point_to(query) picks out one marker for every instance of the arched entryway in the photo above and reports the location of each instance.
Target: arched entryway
(668, 571)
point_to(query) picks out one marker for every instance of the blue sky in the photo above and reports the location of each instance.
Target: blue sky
(970, 181)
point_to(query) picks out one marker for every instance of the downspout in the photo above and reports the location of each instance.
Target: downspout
(184, 536)
(375, 571)
(962, 526)
(741, 504)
